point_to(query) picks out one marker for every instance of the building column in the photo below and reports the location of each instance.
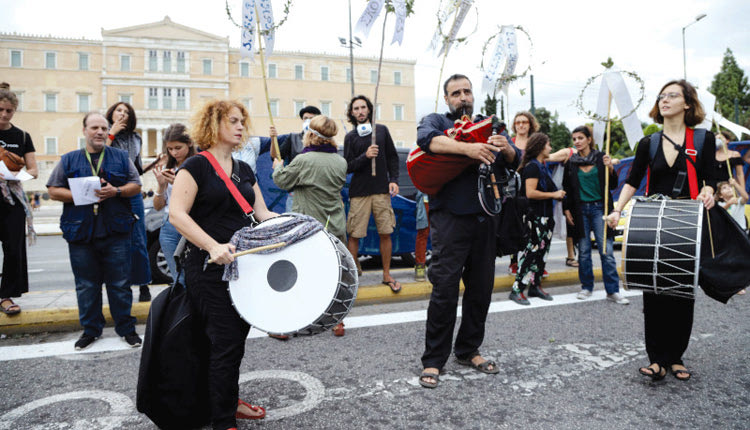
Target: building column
(144, 142)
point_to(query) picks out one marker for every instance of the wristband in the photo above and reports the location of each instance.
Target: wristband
(111, 137)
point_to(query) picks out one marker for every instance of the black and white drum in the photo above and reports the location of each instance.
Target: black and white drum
(305, 288)
(661, 248)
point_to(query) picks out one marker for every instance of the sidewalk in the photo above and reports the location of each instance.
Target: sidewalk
(57, 310)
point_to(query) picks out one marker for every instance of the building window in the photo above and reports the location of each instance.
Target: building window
(298, 105)
(373, 76)
(272, 71)
(207, 66)
(325, 108)
(275, 107)
(16, 59)
(377, 112)
(324, 73)
(124, 63)
(248, 105)
(50, 60)
(180, 61)
(81, 142)
(166, 100)
(127, 98)
(84, 104)
(166, 64)
(397, 78)
(153, 61)
(299, 72)
(398, 112)
(50, 102)
(181, 100)
(153, 98)
(348, 74)
(83, 61)
(244, 69)
(19, 96)
(50, 145)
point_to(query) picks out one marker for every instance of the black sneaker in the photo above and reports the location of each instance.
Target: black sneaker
(145, 295)
(538, 292)
(519, 298)
(133, 340)
(84, 341)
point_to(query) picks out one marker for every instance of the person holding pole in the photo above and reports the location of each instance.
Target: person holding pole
(668, 319)
(584, 185)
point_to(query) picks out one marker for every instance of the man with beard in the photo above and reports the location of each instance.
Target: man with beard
(463, 239)
(367, 193)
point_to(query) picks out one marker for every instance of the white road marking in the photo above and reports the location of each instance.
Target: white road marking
(22, 352)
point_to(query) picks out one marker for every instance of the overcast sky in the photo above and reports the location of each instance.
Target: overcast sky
(570, 39)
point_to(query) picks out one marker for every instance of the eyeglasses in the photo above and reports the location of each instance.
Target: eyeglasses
(670, 96)
(521, 122)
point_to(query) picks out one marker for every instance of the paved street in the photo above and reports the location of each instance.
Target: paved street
(569, 365)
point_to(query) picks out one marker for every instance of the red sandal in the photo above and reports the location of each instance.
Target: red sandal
(253, 408)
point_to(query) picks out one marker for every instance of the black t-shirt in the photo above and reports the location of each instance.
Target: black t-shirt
(215, 210)
(16, 141)
(722, 174)
(663, 176)
(540, 208)
(386, 163)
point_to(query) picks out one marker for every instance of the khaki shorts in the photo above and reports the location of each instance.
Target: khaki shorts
(359, 215)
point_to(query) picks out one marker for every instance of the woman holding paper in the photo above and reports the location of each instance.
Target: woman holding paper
(122, 120)
(14, 207)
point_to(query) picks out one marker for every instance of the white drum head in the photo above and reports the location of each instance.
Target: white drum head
(285, 291)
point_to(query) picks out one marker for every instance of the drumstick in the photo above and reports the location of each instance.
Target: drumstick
(254, 250)
(710, 235)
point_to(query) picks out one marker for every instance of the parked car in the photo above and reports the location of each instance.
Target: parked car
(154, 220)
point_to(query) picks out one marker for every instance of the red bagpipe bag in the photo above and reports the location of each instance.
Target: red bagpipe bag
(429, 172)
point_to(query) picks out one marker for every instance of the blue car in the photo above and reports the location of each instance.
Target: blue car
(404, 207)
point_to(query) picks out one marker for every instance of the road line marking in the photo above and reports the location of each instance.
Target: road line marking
(21, 352)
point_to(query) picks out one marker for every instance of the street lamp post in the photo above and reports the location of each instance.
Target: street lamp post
(351, 44)
(684, 56)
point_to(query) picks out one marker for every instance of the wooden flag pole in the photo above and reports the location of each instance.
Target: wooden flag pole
(275, 152)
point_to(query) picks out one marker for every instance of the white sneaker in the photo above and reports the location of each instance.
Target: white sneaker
(583, 295)
(617, 298)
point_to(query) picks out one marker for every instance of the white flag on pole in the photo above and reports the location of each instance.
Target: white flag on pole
(612, 82)
(264, 18)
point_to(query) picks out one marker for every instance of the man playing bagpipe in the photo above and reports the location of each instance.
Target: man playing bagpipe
(463, 235)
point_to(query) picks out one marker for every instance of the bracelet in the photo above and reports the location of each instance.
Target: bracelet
(111, 137)
(157, 194)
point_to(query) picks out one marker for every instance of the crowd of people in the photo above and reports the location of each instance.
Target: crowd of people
(107, 241)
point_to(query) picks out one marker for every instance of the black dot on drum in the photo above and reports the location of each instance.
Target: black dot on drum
(282, 275)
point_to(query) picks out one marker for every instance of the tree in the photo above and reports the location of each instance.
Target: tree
(549, 124)
(730, 84)
(490, 105)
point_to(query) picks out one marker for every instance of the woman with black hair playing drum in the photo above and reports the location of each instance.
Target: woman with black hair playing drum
(678, 163)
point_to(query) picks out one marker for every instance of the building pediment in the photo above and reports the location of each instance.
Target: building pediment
(164, 29)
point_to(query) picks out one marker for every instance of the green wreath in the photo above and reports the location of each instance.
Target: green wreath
(512, 78)
(287, 6)
(593, 115)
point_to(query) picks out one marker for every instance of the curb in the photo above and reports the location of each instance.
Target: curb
(66, 319)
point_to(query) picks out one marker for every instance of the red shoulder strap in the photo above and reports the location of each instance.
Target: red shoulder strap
(692, 153)
(246, 208)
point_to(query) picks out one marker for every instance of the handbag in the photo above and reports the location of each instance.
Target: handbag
(172, 386)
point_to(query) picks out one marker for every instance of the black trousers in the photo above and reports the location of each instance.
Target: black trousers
(15, 279)
(463, 247)
(226, 331)
(668, 325)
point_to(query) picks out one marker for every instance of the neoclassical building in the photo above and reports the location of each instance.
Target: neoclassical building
(167, 70)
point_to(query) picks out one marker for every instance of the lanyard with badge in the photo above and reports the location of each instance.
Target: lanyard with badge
(95, 172)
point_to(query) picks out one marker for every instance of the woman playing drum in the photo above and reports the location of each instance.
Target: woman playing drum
(669, 319)
(207, 215)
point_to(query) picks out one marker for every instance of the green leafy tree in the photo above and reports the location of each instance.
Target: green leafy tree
(550, 124)
(490, 105)
(730, 84)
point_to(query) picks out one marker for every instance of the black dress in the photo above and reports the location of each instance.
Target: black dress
(219, 215)
(668, 320)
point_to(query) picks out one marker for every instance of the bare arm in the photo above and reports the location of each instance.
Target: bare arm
(31, 167)
(627, 193)
(60, 194)
(534, 194)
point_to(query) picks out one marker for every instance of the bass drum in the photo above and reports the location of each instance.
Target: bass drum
(662, 244)
(305, 288)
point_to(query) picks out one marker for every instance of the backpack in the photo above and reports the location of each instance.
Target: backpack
(699, 137)
(512, 232)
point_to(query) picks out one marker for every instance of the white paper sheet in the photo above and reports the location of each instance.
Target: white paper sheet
(83, 189)
(9, 176)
